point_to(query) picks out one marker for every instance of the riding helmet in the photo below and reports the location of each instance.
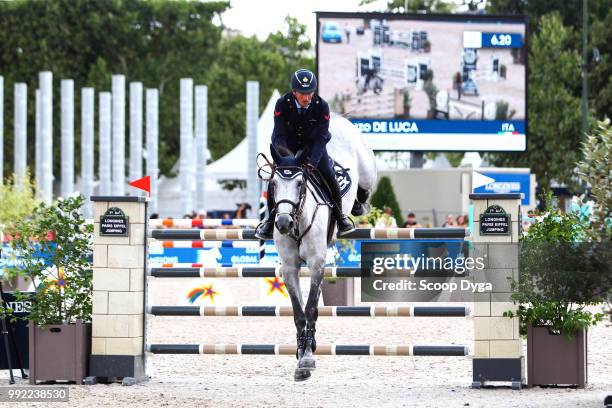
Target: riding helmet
(304, 81)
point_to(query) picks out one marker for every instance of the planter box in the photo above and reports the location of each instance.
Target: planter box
(552, 359)
(59, 352)
(338, 292)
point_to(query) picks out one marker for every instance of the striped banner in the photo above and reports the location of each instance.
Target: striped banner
(327, 311)
(322, 349)
(202, 223)
(359, 233)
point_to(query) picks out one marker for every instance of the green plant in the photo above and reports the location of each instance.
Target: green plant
(431, 90)
(560, 275)
(407, 99)
(596, 170)
(17, 201)
(384, 196)
(53, 246)
(502, 111)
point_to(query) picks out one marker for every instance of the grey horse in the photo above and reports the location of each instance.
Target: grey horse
(302, 222)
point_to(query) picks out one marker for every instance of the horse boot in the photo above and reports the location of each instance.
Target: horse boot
(301, 374)
(345, 225)
(310, 346)
(265, 229)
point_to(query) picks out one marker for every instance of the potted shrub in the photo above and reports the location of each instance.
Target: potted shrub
(426, 46)
(407, 102)
(502, 71)
(54, 246)
(560, 274)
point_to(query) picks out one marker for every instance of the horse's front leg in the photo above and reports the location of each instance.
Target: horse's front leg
(292, 281)
(312, 312)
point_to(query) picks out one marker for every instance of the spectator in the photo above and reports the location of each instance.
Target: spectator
(241, 212)
(386, 220)
(411, 221)
(202, 215)
(154, 216)
(226, 216)
(462, 220)
(449, 222)
(187, 216)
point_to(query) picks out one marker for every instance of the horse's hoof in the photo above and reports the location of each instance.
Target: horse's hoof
(301, 374)
(307, 363)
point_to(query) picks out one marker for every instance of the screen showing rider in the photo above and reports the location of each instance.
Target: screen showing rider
(301, 122)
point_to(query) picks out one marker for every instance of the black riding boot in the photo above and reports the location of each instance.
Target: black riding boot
(345, 225)
(265, 229)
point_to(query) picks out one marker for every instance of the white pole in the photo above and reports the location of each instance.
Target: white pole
(1, 130)
(37, 146)
(201, 138)
(118, 157)
(135, 130)
(67, 107)
(20, 126)
(87, 148)
(152, 144)
(45, 83)
(252, 117)
(105, 144)
(186, 137)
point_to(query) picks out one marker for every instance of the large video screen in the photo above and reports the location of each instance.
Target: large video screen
(427, 82)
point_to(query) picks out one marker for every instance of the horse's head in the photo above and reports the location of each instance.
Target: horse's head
(288, 185)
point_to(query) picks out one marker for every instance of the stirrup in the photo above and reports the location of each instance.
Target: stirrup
(346, 231)
(267, 234)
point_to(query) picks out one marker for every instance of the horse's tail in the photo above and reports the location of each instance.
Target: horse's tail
(366, 168)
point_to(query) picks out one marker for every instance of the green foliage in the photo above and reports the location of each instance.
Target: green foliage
(58, 234)
(596, 170)
(156, 42)
(413, 6)
(502, 111)
(554, 226)
(16, 203)
(559, 275)
(554, 108)
(384, 196)
(431, 91)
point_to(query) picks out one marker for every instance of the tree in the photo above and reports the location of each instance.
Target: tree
(554, 109)
(413, 6)
(384, 196)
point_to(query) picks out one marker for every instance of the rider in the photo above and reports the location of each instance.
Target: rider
(301, 121)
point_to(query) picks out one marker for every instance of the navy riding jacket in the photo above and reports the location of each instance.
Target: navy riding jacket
(308, 130)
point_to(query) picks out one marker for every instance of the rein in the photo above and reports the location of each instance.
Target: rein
(298, 208)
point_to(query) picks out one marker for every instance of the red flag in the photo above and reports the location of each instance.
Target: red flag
(142, 183)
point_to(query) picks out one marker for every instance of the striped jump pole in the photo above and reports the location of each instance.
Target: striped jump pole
(253, 272)
(203, 244)
(196, 270)
(322, 349)
(326, 311)
(203, 223)
(360, 233)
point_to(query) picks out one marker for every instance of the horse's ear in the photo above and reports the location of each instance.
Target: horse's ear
(275, 156)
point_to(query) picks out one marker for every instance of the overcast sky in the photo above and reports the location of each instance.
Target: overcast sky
(261, 17)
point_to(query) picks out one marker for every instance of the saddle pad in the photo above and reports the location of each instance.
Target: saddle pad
(342, 176)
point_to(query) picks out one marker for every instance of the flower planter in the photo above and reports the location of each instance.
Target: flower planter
(554, 360)
(338, 292)
(59, 352)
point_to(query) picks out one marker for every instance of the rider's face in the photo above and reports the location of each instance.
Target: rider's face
(303, 98)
